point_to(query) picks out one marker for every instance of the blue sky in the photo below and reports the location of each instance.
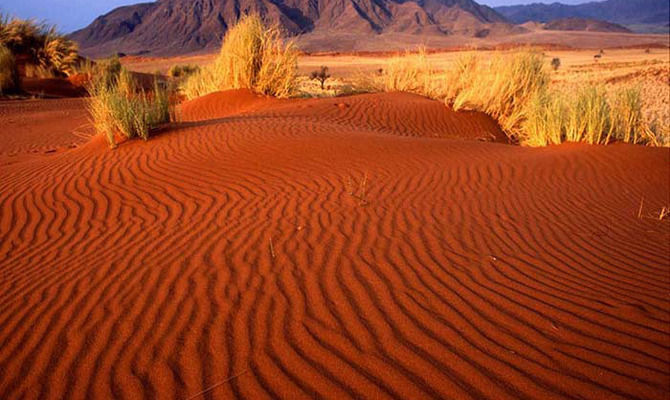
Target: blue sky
(70, 15)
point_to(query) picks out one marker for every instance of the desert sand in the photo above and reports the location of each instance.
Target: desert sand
(372, 246)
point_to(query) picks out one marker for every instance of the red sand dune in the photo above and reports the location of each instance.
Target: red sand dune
(333, 248)
(39, 126)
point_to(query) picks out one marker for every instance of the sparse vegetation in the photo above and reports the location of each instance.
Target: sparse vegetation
(253, 57)
(410, 72)
(321, 76)
(515, 89)
(591, 116)
(555, 63)
(182, 71)
(9, 79)
(119, 107)
(48, 52)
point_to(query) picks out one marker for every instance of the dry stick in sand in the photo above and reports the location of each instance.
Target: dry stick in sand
(639, 212)
(361, 189)
(217, 385)
(272, 249)
(359, 194)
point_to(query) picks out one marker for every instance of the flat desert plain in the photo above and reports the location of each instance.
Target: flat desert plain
(371, 246)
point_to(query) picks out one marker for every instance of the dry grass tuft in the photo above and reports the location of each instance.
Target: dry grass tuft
(503, 87)
(545, 120)
(409, 73)
(50, 53)
(253, 57)
(514, 88)
(118, 107)
(9, 77)
(591, 116)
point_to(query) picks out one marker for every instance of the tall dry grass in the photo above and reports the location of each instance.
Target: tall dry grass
(627, 118)
(591, 115)
(118, 107)
(50, 53)
(9, 77)
(514, 88)
(503, 87)
(545, 120)
(411, 72)
(252, 56)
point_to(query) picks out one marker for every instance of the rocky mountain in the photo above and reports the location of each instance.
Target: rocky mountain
(168, 27)
(584, 24)
(625, 12)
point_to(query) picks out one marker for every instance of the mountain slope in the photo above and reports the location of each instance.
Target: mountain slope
(584, 24)
(654, 12)
(178, 26)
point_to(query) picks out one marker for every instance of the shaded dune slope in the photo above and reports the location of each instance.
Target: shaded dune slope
(394, 113)
(40, 126)
(296, 249)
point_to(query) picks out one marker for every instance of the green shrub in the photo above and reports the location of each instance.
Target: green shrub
(252, 57)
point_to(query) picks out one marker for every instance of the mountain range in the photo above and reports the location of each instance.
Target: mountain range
(625, 12)
(168, 27)
(191, 25)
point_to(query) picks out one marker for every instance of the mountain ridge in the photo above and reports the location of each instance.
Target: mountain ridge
(624, 12)
(179, 26)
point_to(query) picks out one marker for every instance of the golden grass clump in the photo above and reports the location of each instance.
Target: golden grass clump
(626, 116)
(58, 55)
(591, 116)
(503, 87)
(411, 72)
(515, 89)
(591, 113)
(49, 53)
(252, 57)
(545, 120)
(9, 77)
(118, 106)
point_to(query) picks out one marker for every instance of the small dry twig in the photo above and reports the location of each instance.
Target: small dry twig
(209, 389)
(361, 193)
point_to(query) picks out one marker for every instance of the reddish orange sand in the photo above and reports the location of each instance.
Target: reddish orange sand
(362, 247)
